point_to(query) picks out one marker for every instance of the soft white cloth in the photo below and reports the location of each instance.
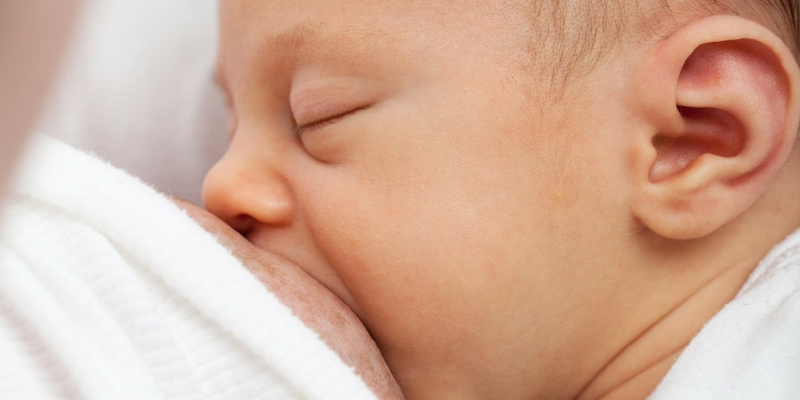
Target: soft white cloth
(137, 88)
(751, 349)
(109, 291)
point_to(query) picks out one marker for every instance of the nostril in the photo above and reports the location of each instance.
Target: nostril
(243, 223)
(244, 196)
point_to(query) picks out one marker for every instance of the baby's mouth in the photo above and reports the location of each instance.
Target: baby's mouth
(300, 259)
(281, 273)
(305, 295)
(283, 276)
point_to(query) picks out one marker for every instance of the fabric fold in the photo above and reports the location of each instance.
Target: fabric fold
(133, 299)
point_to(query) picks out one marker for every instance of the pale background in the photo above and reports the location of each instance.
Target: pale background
(136, 89)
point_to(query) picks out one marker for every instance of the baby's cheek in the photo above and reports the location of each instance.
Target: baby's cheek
(414, 272)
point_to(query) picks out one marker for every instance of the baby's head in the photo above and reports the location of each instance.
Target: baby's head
(510, 193)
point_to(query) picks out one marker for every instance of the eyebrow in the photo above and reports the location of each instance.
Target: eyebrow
(291, 41)
(309, 41)
(295, 40)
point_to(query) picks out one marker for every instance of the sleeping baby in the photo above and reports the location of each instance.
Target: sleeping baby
(530, 199)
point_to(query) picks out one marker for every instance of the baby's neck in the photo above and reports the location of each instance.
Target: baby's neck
(733, 252)
(636, 371)
(699, 279)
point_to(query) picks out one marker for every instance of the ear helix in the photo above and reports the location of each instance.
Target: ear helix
(723, 127)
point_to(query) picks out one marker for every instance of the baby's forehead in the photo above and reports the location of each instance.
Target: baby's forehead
(370, 17)
(315, 30)
(306, 42)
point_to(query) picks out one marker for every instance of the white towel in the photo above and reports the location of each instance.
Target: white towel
(751, 349)
(109, 291)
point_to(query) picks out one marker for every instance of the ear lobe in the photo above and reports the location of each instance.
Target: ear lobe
(721, 126)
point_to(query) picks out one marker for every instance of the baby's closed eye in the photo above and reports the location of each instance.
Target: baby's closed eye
(317, 103)
(325, 118)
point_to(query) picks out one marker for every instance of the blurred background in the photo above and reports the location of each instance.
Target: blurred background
(136, 88)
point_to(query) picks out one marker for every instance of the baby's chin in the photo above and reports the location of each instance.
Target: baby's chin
(315, 305)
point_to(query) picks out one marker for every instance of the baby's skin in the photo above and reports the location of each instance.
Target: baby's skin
(513, 206)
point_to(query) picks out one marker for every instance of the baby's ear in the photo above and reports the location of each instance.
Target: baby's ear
(719, 98)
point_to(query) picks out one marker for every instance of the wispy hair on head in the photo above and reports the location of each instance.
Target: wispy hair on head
(569, 37)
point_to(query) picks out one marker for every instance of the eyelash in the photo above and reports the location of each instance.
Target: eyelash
(300, 129)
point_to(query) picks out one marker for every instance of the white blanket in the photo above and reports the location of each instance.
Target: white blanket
(751, 349)
(109, 291)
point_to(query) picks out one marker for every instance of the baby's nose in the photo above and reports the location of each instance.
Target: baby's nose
(243, 194)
